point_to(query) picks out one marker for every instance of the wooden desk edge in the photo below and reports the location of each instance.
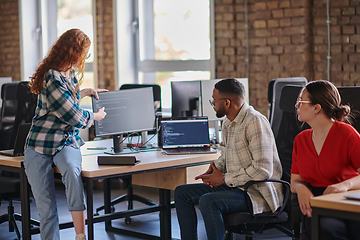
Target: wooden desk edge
(336, 201)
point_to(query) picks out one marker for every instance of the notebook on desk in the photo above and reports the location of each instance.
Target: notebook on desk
(185, 136)
(19, 141)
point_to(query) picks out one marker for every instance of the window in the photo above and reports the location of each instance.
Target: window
(173, 40)
(78, 14)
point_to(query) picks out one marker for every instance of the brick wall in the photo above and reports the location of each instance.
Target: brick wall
(345, 40)
(287, 38)
(106, 51)
(10, 65)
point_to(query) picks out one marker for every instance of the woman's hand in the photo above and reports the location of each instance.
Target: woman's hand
(100, 114)
(336, 188)
(304, 196)
(91, 92)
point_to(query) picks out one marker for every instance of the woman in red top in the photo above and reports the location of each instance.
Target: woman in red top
(326, 158)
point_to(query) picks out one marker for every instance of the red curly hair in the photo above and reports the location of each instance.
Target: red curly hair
(68, 50)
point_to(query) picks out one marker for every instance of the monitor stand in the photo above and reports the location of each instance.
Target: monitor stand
(119, 146)
(144, 139)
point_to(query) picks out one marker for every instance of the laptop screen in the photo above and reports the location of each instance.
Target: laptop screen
(177, 133)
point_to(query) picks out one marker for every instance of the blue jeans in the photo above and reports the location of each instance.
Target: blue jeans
(39, 169)
(213, 202)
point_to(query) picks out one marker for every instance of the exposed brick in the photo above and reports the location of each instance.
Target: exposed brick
(272, 23)
(284, 4)
(298, 21)
(228, 17)
(335, 11)
(262, 50)
(277, 13)
(273, 5)
(272, 41)
(272, 59)
(284, 40)
(285, 22)
(354, 58)
(263, 14)
(296, 12)
(260, 6)
(355, 20)
(262, 33)
(349, 48)
(299, 3)
(349, 67)
(348, 29)
(295, 48)
(298, 39)
(294, 30)
(348, 11)
(276, 32)
(258, 42)
(278, 49)
(259, 24)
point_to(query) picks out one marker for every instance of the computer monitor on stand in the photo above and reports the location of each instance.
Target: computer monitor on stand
(128, 111)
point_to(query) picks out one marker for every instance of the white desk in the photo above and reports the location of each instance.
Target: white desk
(333, 205)
(177, 169)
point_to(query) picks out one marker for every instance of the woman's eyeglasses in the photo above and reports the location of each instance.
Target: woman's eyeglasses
(88, 55)
(298, 101)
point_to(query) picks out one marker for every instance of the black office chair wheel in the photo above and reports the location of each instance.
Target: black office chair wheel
(127, 220)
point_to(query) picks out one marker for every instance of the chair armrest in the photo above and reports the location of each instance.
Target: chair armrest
(286, 193)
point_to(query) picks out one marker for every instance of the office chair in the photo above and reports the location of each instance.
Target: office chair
(26, 105)
(274, 91)
(8, 112)
(130, 197)
(351, 96)
(23, 103)
(284, 219)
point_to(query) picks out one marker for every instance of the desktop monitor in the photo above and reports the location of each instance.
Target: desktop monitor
(128, 111)
(186, 99)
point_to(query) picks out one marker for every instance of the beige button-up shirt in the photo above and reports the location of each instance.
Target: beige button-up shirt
(249, 153)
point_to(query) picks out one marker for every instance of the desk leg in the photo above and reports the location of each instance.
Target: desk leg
(165, 215)
(315, 224)
(90, 208)
(107, 201)
(25, 204)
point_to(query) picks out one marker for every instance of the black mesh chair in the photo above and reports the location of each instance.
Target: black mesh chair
(130, 197)
(8, 112)
(282, 219)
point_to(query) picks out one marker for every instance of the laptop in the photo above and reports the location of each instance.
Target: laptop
(185, 136)
(19, 141)
(353, 196)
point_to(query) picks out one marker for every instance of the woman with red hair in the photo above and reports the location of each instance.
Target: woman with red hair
(53, 137)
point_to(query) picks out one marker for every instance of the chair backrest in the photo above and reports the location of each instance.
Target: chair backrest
(156, 92)
(351, 96)
(8, 112)
(274, 92)
(25, 109)
(289, 127)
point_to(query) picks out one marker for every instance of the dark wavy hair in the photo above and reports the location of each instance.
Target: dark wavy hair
(327, 95)
(70, 47)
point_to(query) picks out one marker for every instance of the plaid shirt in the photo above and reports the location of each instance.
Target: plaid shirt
(249, 152)
(57, 116)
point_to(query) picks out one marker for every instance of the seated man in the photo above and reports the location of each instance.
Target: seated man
(248, 152)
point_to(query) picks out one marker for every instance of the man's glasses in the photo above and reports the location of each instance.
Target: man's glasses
(212, 101)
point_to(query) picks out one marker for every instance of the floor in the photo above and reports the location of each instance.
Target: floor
(148, 223)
